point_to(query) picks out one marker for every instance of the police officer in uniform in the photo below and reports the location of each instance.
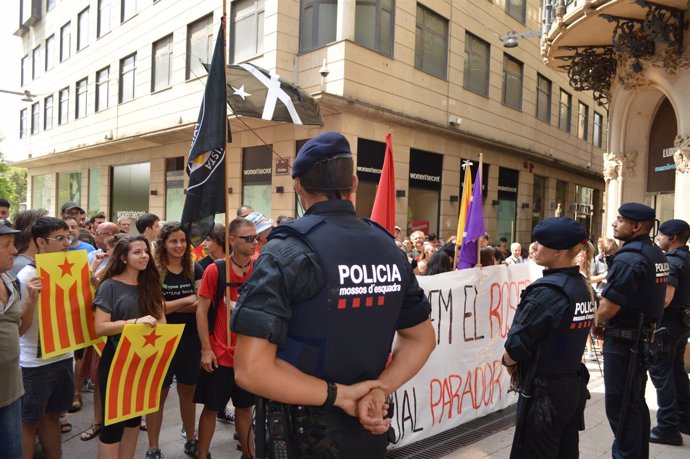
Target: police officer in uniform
(667, 370)
(316, 319)
(545, 343)
(631, 305)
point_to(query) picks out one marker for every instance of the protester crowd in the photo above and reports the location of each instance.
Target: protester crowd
(153, 275)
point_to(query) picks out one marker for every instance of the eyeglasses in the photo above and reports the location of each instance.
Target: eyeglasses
(249, 239)
(60, 238)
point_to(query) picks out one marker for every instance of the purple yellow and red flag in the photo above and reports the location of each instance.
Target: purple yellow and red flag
(65, 313)
(136, 374)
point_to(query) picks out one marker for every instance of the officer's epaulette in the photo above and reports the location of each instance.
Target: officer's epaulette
(298, 227)
(376, 225)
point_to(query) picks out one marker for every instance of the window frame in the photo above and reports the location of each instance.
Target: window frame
(81, 100)
(471, 56)
(507, 60)
(167, 41)
(24, 70)
(104, 11)
(122, 73)
(568, 127)
(66, 51)
(35, 117)
(419, 62)
(124, 10)
(542, 93)
(23, 121)
(36, 62)
(50, 53)
(518, 13)
(378, 20)
(99, 84)
(63, 106)
(208, 36)
(597, 140)
(258, 13)
(48, 110)
(582, 125)
(83, 28)
(314, 26)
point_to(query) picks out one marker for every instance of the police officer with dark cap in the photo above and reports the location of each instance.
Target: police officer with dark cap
(667, 370)
(316, 319)
(543, 350)
(631, 305)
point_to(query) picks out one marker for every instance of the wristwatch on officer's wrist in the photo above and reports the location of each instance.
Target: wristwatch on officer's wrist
(332, 394)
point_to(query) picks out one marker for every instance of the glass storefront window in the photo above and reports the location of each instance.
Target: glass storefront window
(69, 187)
(584, 208)
(561, 188)
(41, 192)
(538, 194)
(370, 155)
(425, 191)
(174, 188)
(94, 205)
(257, 169)
(129, 191)
(506, 217)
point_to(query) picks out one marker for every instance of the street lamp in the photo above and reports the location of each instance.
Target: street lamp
(510, 40)
(28, 97)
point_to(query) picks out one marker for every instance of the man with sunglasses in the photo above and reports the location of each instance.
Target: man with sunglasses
(317, 318)
(216, 384)
(48, 383)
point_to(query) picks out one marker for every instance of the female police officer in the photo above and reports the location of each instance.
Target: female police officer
(545, 345)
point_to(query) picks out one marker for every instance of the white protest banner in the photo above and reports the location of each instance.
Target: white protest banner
(471, 311)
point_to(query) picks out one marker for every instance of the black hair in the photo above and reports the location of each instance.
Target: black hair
(4, 203)
(146, 221)
(92, 220)
(432, 237)
(503, 240)
(438, 263)
(24, 220)
(217, 234)
(46, 225)
(161, 254)
(487, 256)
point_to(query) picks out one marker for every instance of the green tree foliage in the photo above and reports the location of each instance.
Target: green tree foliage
(12, 184)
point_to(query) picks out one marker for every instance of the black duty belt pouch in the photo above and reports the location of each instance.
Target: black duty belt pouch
(541, 411)
(685, 316)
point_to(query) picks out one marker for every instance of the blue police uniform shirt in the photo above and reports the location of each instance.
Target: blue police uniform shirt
(679, 276)
(636, 282)
(555, 313)
(288, 273)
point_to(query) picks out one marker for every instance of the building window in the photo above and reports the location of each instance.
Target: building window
(162, 64)
(127, 68)
(83, 29)
(48, 113)
(317, 23)
(512, 82)
(477, 58)
(174, 187)
(129, 190)
(50, 52)
(128, 8)
(257, 168)
(35, 117)
(374, 25)
(22, 123)
(42, 191)
(80, 105)
(94, 204)
(582, 120)
(431, 43)
(63, 108)
(102, 84)
(65, 41)
(597, 131)
(25, 70)
(103, 26)
(199, 46)
(516, 9)
(543, 98)
(69, 187)
(50, 4)
(36, 62)
(564, 109)
(247, 29)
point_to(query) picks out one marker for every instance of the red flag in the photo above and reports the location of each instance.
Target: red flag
(383, 211)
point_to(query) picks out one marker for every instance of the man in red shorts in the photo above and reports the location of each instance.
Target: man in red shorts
(216, 383)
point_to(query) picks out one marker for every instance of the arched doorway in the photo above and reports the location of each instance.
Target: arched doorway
(661, 169)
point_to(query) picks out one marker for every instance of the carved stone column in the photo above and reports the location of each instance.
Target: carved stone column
(682, 196)
(613, 175)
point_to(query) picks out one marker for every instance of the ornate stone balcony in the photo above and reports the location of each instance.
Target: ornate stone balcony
(597, 40)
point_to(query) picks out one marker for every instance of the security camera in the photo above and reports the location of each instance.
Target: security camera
(324, 70)
(454, 121)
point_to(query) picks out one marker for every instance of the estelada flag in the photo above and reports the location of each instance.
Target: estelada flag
(136, 374)
(65, 315)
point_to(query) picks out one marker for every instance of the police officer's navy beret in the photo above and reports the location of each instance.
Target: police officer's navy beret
(322, 147)
(636, 211)
(673, 227)
(559, 233)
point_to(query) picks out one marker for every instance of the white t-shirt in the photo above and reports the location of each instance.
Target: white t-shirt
(29, 343)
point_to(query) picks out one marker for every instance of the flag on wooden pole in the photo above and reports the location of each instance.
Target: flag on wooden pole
(469, 251)
(464, 208)
(136, 374)
(65, 315)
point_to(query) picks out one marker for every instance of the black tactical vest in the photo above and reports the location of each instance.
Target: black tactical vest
(561, 351)
(344, 334)
(651, 293)
(681, 297)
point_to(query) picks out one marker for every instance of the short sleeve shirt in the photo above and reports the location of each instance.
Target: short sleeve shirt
(175, 286)
(118, 299)
(219, 335)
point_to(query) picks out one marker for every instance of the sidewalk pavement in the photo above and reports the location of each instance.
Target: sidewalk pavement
(595, 441)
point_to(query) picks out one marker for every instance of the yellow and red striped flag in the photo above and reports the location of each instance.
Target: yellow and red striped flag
(136, 375)
(65, 316)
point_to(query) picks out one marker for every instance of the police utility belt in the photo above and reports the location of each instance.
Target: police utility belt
(630, 334)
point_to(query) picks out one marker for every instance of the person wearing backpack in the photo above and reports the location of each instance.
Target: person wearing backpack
(216, 384)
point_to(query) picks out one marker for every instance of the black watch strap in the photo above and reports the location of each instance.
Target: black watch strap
(331, 395)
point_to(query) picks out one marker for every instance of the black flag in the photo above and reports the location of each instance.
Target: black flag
(253, 91)
(206, 192)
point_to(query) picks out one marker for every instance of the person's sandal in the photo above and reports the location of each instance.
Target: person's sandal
(76, 404)
(142, 424)
(91, 432)
(65, 425)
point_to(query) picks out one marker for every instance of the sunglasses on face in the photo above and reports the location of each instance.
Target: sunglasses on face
(249, 239)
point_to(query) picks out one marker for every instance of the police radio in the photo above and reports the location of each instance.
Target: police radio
(274, 431)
